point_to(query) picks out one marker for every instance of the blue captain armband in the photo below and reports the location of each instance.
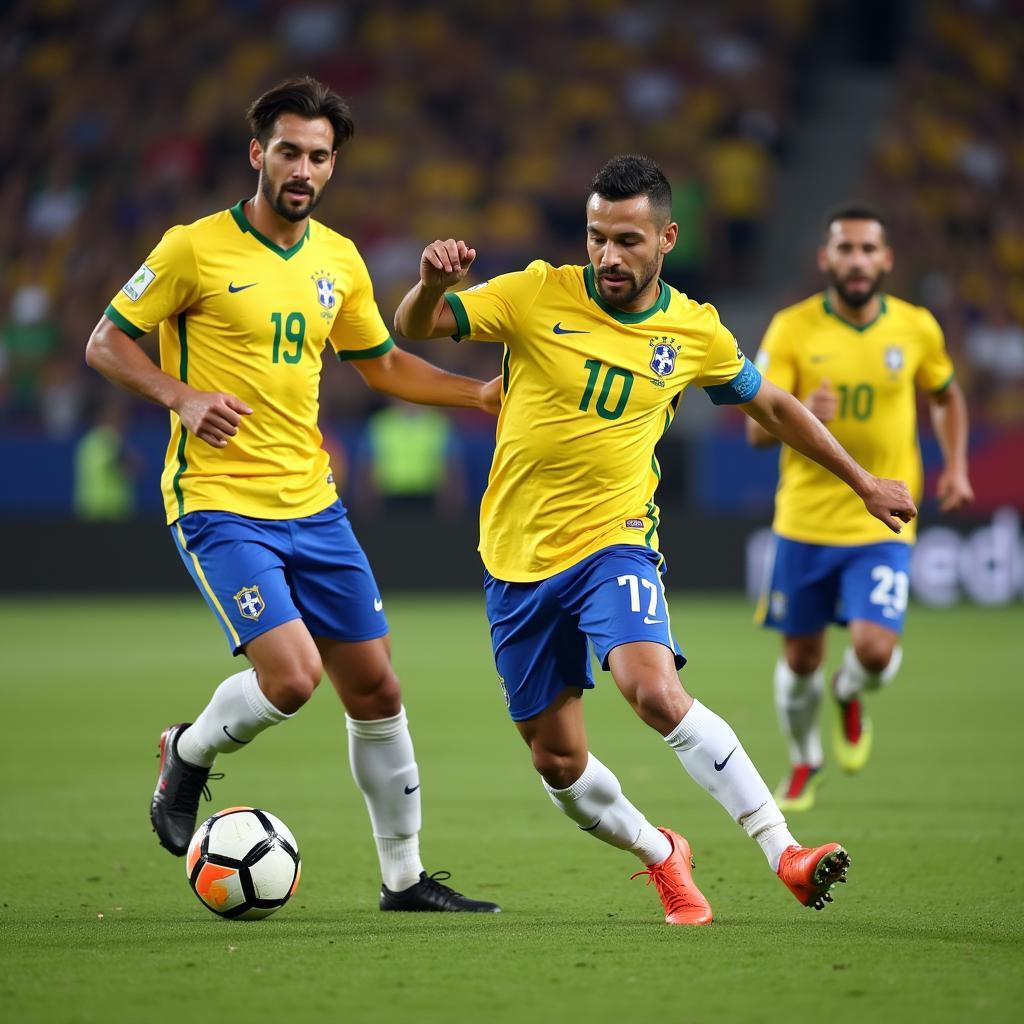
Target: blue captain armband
(742, 388)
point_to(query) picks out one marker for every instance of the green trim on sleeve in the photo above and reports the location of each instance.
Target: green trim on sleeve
(459, 311)
(943, 387)
(123, 323)
(345, 355)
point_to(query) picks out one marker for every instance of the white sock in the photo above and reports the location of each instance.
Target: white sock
(384, 767)
(853, 677)
(238, 712)
(768, 827)
(714, 759)
(797, 700)
(596, 803)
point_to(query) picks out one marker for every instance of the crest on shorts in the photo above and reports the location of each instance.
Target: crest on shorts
(663, 362)
(894, 358)
(777, 604)
(250, 602)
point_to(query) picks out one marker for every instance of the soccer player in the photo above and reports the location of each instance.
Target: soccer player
(596, 360)
(854, 357)
(246, 301)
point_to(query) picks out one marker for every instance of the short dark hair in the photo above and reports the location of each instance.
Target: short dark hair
(852, 209)
(629, 175)
(306, 97)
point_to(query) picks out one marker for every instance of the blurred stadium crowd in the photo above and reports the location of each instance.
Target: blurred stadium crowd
(949, 169)
(485, 120)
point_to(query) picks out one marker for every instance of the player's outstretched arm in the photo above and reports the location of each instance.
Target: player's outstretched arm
(823, 402)
(211, 416)
(783, 416)
(423, 313)
(403, 375)
(949, 419)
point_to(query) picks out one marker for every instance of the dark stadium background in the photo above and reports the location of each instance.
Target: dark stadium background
(485, 120)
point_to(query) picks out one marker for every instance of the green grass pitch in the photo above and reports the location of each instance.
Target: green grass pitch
(97, 923)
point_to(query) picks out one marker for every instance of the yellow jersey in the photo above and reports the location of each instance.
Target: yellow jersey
(239, 314)
(588, 392)
(874, 369)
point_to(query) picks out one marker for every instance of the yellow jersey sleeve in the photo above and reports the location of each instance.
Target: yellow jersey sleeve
(728, 377)
(492, 310)
(935, 371)
(775, 357)
(359, 330)
(167, 283)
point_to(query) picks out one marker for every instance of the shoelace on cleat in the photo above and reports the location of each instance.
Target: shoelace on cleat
(672, 892)
(192, 787)
(434, 882)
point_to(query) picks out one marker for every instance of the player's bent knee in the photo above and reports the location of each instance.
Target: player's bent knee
(875, 654)
(375, 694)
(804, 655)
(804, 663)
(661, 703)
(289, 689)
(558, 770)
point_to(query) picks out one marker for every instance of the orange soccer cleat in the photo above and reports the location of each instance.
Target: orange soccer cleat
(684, 902)
(810, 872)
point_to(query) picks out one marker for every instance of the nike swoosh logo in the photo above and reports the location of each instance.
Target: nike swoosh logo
(234, 739)
(409, 790)
(232, 287)
(651, 622)
(591, 827)
(378, 604)
(559, 329)
(819, 359)
(719, 765)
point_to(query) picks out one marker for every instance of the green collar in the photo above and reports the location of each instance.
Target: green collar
(882, 310)
(238, 213)
(623, 317)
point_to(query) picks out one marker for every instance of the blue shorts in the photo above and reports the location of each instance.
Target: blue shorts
(259, 573)
(539, 631)
(807, 586)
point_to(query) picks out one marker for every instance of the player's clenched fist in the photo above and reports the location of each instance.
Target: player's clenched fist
(445, 263)
(212, 416)
(823, 402)
(890, 501)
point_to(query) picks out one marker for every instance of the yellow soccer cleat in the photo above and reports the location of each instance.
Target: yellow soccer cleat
(852, 734)
(684, 903)
(796, 791)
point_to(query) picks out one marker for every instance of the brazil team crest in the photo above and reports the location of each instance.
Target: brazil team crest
(663, 362)
(325, 292)
(894, 358)
(250, 602)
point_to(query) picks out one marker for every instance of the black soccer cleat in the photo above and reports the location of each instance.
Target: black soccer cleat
(431, 895)
(175, 804)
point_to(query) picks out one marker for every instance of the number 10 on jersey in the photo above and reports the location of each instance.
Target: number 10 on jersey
(613, 376)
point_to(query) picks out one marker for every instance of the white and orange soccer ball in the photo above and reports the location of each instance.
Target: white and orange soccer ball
(243, 862)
